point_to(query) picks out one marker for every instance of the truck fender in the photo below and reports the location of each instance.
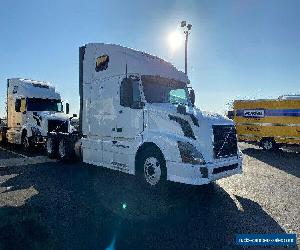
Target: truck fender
(167, 144)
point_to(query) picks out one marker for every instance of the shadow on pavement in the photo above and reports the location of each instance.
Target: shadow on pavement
(286, 161)
(34, 151)
(84, 207)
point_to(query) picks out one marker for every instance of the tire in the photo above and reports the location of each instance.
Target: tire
(26, 143)
(269, 144)
(64, 150)
(3, 139)
(151, 169)
(51, 148)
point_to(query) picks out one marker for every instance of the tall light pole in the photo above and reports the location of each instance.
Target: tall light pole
(187, 28)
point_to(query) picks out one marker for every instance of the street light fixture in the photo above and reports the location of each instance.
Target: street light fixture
(187, 32)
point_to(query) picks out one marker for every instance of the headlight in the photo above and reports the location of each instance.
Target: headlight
(189, 154)
(35, 131)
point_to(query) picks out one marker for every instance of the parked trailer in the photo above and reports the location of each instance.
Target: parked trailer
(270, 123)
(138, 116)
(34, 108)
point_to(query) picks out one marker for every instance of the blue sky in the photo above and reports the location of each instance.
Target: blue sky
(237, 49)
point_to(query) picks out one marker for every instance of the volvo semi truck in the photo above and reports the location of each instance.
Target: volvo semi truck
(137, 115)
(34, 108)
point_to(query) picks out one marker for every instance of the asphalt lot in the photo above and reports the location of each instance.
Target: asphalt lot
(45, 204)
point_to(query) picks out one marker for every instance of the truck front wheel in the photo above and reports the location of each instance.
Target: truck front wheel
(51, 148)
(26, 144)
(151, 168)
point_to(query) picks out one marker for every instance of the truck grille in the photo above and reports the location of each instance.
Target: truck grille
(225, 141)
(58, 126)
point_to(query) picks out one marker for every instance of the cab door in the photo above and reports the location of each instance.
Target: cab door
(130, 122)
(101, 118)
(17, 111)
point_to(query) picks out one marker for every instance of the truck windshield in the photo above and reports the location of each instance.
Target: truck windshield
(163, 90)
(38, 104)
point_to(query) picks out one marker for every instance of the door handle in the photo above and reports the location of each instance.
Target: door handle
(120, 111)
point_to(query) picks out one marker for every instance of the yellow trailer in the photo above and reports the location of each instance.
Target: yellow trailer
(271, 123)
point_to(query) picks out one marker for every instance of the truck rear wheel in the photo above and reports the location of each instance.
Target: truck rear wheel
(51, 148)
(269, 144)
(151, 168)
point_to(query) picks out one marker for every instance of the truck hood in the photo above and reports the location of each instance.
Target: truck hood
(212, 118)
(164, 118)
(40, 119)
(48, 115)
(203, 117)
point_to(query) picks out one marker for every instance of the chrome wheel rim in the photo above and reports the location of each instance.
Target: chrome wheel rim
(49, 146)
(61, 149)
(152, 170)
(268, 145)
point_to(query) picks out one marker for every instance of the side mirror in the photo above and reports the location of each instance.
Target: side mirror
(67, 108)
(192, 96)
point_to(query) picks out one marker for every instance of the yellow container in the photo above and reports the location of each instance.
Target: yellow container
(274, 120)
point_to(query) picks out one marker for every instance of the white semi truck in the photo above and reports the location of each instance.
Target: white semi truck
(137, 115)
(34, 108)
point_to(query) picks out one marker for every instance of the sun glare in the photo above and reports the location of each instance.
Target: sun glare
(175, 40)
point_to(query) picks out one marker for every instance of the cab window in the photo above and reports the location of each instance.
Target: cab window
(130, 94)
(18, 105)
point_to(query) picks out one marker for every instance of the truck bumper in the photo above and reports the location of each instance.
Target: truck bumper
(13, 136)
(203, 174)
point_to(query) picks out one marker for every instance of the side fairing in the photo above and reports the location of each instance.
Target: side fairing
(100, 107)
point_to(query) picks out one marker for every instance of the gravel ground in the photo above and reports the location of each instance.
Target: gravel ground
(45, 204)
(272, 179)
